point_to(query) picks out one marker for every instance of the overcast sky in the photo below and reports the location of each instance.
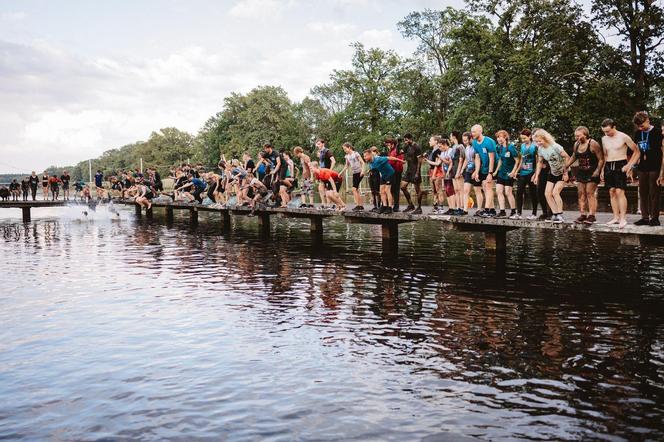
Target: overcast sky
(81, 77)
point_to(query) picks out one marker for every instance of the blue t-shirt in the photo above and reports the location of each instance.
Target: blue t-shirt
(98, 179)
(483, 149)
(199, 184)
(382, 165)
(528, 159)
(508, 156)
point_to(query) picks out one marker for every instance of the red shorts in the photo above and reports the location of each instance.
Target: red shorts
(449, 187)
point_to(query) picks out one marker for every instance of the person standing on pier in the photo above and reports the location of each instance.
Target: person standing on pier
(356, 163)
(382, 166)
(34, 184)
(506, 171)
(331, 182)
(307, 184)
(485, 160)
(458, 158)
(25, 188)
(651, 170)
(590, 158)
(54, 182)
(65, 178)
(394, 151)
(526, 167)
(326, 160)
(413, 175)
(468, 167)
(15, 189)
(617, 168)
(44, 181)
(554, 154)
(99, 184)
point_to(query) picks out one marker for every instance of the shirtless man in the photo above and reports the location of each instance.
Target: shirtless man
(617, 168)
(307, 184)
(590, 158)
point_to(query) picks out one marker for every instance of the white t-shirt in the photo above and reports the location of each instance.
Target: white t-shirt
(353, 160)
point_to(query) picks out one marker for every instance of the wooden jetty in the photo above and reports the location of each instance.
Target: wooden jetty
(494, 229)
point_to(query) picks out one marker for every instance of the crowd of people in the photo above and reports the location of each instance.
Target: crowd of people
(465, 169)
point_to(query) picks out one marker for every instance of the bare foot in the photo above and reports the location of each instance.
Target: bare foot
(613, 221)
(622, 224)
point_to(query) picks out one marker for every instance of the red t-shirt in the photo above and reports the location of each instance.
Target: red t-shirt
(396, 165)
(325, 174)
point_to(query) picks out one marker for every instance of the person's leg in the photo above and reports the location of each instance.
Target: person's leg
(548, 193)
(644, 195)
(389, 195)
(520, 193)
(466, 194)
(541, 193)
(479, 196)
(396, 189)
(654, 197)
(509, 193)
(488, 195)
(532, 189)
(582, 198)
(500, 190)
(614, 206)
(622, 207)
(591, 197)
(322, 193)
(557, 189)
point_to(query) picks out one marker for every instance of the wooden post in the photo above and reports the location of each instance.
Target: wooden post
(225, 220)
(26, 214)
(193, 217)
(264, 223)
(496, 241)
(169, 214)
(137, 207)
(390, 233)
(316, 225)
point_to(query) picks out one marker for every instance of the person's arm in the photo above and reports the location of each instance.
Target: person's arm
(597, 149)
(362, 165)
(517, 164)
(636, 154)
(459, 170)
(345, 167)
(333, 160)
(277, 167)
(566, 157)
(395, 159)
(500, 163)
(492, 158)
(478, 163)
(538, 169)
(332, 183)
(572, 159)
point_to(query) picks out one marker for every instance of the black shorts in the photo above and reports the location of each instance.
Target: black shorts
(468, 178)
(483, 177)
(509, 182)
(337, 184)
(586, 176)
(357, 178)
(384, 181)
(554, 178)
(411, 177)
(614, 177)
(374, 181)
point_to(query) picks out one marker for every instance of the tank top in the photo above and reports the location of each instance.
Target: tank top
(587, 159)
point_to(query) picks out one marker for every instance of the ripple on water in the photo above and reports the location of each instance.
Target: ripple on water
(139, 330)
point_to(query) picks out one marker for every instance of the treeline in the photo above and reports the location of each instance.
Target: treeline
(506, 64)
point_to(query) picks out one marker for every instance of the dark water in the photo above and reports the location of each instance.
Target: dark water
(138, 330)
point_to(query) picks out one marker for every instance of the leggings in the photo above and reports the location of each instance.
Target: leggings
(521, 184)
(396, 188)
(541, 188)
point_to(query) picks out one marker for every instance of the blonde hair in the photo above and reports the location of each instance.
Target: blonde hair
(546, 136)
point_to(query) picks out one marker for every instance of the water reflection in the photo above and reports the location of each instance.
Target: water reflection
(142, 330)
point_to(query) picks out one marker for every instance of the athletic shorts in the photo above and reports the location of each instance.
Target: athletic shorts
(307, 187)
(586, 176)
(554, 178)
(614, 177)
(384, 181)
(468, 178)
(449, 187)
(509, 182)
(437, 173)
(410, 177)
(357, 178)
(374, 181)
(483, 177)
(337, 185)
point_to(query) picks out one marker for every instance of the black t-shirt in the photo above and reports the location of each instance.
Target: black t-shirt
(65, 180)
(412, 153)
(250, 166)
(650, 145)
(34, 181)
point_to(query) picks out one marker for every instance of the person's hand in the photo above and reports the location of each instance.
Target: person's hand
(660, 180)
(489, 178)
(475, 175)
(565, 177)
(626, 168)
(601, 176)
(535, 178)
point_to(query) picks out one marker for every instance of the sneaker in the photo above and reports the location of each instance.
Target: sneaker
(501, 214)
(388, 210)
(581, 219)
(655, 222)
(459, 212)
(359, 208)
(642, 222)
(375, 210)
(417, 211)
(558, 219)
(515, 216)
(410, 208)
(395, 209)
(590, 219)
(450, 212)
(302, 206)
(479, 213)
(552, 219)
(542, 217)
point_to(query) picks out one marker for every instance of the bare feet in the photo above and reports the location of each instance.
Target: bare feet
(622, 224)
(612, 222)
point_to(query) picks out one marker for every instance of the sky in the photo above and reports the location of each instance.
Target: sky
(80, 77)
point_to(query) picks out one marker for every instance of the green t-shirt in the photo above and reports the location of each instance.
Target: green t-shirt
(553, 155)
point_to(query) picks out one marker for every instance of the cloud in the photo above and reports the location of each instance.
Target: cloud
(377, 38)
(13, 16)
(259, 9)
(330, 27)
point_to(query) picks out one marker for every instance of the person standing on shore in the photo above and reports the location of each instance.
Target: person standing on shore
(617, 168)
(413, 175)
(554, 154)
(651, 170)
(34, 184)
(590, 157)
(485, 160)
